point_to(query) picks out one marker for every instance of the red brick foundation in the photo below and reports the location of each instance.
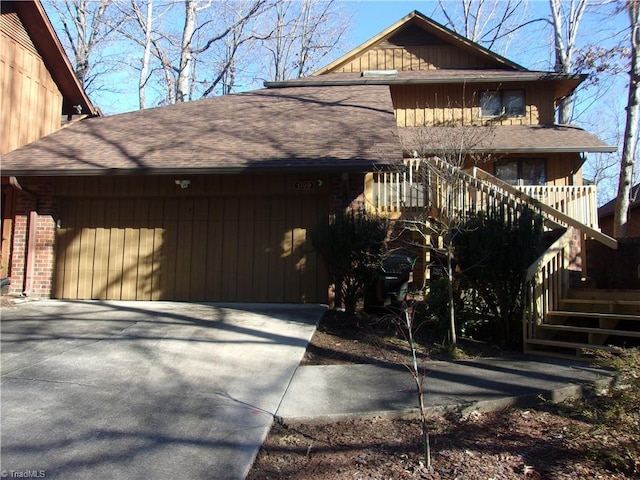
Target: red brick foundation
(33, 242)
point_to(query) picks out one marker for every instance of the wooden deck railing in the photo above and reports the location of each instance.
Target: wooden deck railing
(578, 202)
(427, 185)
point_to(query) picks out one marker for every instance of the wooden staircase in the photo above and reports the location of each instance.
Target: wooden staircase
(557, 321)
(587, 320)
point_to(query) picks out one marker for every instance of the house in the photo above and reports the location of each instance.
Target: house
(39, 94)
(607, 211)
(214, 200)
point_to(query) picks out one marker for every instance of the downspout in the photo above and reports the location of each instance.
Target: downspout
(31, 237)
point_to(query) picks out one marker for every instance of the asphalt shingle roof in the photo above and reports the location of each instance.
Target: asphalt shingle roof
(503, 139)
(321, 127)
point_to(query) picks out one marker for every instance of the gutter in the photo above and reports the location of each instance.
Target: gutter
(119, 172)
(416, 81)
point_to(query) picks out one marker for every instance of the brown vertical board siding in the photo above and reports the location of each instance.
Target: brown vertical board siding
(226, 246)
(86, 252)
(71, 279)
(420, 105)
(145, 280)
(156, 209)
(131, 251)
(102, 242)
(290, 248)
(314, 278)
(215, 253)
(261, 251)
(276, 231)
(246, 247)
(168, 256)
(230, 250)
(184, 245)
(199, 250)
(32, 103)
(116, 251)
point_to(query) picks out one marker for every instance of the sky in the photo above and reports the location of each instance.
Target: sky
(369, 17)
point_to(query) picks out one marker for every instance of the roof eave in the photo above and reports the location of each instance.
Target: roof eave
(116, 172)
(415, 81)
(508, 150)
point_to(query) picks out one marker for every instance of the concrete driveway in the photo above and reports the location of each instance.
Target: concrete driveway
(149, 390)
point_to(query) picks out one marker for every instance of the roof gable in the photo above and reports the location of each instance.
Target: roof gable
(417, 42)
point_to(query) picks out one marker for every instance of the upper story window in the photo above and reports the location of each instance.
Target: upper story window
(497, 103)
(522, 171)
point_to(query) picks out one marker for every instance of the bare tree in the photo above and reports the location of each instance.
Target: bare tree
(491, 23)
(196, 39)
(304, 32)
(87, 27)
(565, 19)
(627, 161)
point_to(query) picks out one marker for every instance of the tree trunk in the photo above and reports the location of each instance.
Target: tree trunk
(627, 160)
(565, 38)
(144, 71)
(186, 52)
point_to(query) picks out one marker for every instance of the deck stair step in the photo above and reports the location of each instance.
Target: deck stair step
(599, 331)
(603, 294)
(588, 320)
(596, 315)
(601, 305)
(560, 349)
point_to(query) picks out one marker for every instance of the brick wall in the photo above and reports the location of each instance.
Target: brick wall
(33, 239)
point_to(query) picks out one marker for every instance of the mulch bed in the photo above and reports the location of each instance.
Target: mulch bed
(546, 442)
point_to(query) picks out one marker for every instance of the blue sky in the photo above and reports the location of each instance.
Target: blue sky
(531, 47)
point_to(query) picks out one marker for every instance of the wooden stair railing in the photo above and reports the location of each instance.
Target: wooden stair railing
(552, 213)
(549, 327)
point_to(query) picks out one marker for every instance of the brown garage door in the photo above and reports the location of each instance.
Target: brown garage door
(235, 249)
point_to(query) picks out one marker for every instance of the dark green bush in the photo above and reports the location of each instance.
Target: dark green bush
(351, 243)
(494, 250)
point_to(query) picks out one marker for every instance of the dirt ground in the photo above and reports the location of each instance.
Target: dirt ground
(546, 442)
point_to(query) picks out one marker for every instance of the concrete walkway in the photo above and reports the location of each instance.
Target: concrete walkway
(145, 390)
(161, 390)
(333, 392)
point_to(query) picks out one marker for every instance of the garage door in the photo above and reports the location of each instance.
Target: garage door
(236, 249)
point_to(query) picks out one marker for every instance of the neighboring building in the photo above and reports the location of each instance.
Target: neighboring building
(214, 200)
(39, 93)
(607, 211)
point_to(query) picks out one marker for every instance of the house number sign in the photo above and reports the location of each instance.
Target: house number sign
(305, 185)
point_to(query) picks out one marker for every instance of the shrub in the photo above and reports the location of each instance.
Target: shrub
(350, 244)
(493, 251)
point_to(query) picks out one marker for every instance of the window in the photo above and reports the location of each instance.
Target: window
(495, 103)
(524, 171)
